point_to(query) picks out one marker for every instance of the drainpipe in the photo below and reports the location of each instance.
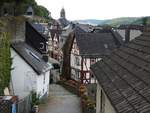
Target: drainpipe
(45, 57)
(82, 74)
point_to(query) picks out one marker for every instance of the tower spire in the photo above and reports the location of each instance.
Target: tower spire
(62, 13)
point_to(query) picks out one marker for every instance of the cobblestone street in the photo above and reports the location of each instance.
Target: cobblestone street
(60, 101)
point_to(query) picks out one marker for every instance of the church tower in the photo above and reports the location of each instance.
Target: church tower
(62, 13)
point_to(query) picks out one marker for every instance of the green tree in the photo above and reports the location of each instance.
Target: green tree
(42, 12)
(22, 5)
(5, 61)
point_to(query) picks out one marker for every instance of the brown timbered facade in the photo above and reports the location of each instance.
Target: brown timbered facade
(54, 50)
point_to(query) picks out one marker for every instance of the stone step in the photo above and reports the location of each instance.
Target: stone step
(55, 89)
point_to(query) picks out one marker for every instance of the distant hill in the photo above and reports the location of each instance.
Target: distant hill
(119, 21)
(114, 22)
(140, 21)
(90, 21)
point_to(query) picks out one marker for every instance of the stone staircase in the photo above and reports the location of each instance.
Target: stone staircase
(57, 90)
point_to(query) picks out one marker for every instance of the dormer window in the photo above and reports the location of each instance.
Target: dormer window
(29, 13)
(77, 61)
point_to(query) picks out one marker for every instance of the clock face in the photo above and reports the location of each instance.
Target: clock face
(41, 45)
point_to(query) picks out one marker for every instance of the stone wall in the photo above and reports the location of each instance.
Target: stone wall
(15, 26)
(7, 9)
(11, 29)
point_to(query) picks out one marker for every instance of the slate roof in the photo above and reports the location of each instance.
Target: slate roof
(34, 38)
(30, 9)
(96, 44)
(56, 32)
(125, 76)
(78, 30)
(63, 22)
(32, 57)
(86, 27)
(39, 28)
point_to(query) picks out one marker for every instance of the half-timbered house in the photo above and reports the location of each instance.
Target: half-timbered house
(89, 48)
(53, 43)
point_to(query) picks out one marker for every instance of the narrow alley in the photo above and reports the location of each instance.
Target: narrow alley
(60, 101)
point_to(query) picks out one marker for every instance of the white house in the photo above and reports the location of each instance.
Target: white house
(29, 71)
(124, 78)
(87, 49)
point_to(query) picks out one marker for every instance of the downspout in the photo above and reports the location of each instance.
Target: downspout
(82, 74)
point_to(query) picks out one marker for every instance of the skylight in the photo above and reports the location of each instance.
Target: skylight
(32, 54)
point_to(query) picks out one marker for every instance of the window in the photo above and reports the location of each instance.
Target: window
(77, 61)
(102, 105)
(29, 13)
(61, 40)
(93, 61)
(56, 66)
(44, 79)
(92, 76)
(76, 75)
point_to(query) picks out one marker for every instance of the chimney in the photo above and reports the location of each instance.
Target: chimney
(45, 57)
(146, 27)
(127, 35)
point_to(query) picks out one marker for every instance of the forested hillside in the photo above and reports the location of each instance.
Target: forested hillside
(22, 5)
(119, 21)
(127, 20)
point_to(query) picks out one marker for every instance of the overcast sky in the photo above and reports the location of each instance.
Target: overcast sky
(97, 9)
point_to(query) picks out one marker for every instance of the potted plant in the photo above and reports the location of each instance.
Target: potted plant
(35, 102)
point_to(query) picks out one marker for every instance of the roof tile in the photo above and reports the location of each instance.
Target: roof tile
(125, 76)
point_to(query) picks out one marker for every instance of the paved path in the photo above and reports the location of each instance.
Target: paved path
(61, 101)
